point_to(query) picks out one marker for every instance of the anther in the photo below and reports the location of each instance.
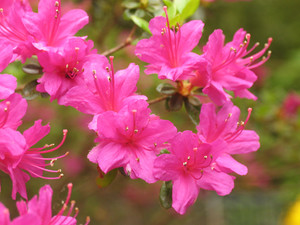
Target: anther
(137, 159)
(61, 175)
(205, 157)
(107, 69)
(135, 131)
(56, 4)
(1, 10)
(94, 72)
(108, 78)
(134, 111)
(185, 163)
(195, 149)
(127, 128)
(189, 157)
(155, 144)
(76, 49)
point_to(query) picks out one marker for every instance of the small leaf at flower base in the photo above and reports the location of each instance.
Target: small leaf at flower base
(165, 195)
(131, 4)
(32, 69)
(166, 89)
(164, 151)
(141, 23)
(194, 100)
(29, 92)
(105, 179)
(175, 102)
(193, 111)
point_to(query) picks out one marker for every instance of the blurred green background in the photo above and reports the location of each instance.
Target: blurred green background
(263, 197)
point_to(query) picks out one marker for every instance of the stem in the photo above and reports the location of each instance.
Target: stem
(159, 99)
(122, 45)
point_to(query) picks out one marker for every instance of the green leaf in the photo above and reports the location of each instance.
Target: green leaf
(141, 23)
(172, 12)
(131, 4)
(105, 179)
(186, 8)
(165, 195)
(166, 88)
(193, 111)
(175, 102)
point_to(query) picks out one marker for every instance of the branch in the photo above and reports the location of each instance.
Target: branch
(122, 45)
(159, 99)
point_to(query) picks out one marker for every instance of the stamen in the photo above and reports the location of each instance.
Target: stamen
(6, 113)
(112, 84)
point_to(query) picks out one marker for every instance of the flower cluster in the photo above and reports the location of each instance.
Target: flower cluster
(18, 158)
(37, 211)
(128, 135)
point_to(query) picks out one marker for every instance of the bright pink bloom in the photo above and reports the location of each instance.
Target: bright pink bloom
(104, 90)
(230, 66)
(50, 28)
(168, 51)
(225, 125)
(38, 211)
(17, 156)
(12, 110)
(14, 37)
(191, 166)
(63, 69)
(8, 84)
(291, 104)
(129, 139)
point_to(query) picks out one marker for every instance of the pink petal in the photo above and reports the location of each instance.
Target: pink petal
(36, 133)
(8, 84)
(184, 193)
(229, 165)
(247, 141)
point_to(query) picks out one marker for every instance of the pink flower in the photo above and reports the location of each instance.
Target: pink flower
(129, 139)
(17, 156)
(230, 66)
(12, 110)
(190, 166)
(14, 37)
(104, 90)
(168, 51)
(37, 211)
(224, 125)
(8, 84)
(63, 69)
(291, 104)
(50, 28)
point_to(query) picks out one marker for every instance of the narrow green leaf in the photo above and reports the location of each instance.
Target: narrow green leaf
(105, 179)
(188, 10)
(166, 88)
(193, 111)
(141, 23)
(165, 195)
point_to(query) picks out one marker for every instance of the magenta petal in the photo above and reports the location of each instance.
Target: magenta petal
(29, 218)
(229, 164)
(109, 156)
(8, 84)
(63, 220)
(166, 167)
(156, 24)
(184, 193)
(247, 141)
(220, 182)
(6, 55)
(142, 166)
(19, 178)
(216, 93)
(36, 133)
(4, 215)
(191, 33)
(71, 22)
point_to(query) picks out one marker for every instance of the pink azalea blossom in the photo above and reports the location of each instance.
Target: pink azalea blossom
(50, 28)
(8, 84)
(37, 211)
(291, 105)
(191, 166)
(104, 90)
(129, 139)
(14, 37)
(225, 125)
(18, 156)
(230, 66)
(63, 69)
(168, 51)
(12, 110)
